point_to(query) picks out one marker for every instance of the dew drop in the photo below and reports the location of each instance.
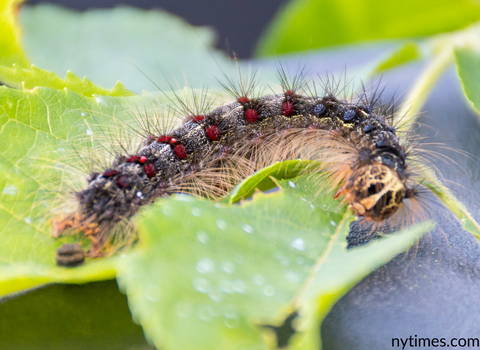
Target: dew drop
(230, 315)
(228, 267)
(292, 277)
(282, 259)
(89, 132)
(205, 265)
(184, 198)
(150, 297)
(231, 319)
(166, 210)
(200, 285)
(10, 190)
(99, 99)
(83, 114)
(202, 237)
(333, 223)
(292, 184)
(183, 310)
(268, 291)
(300, 261)
(196, 212)
(298, 244)
(258, 280)
(230, 323)
(247, 228)
(140, 195)
(216, 296)
(205, 313)
(151, 294)
(226, 286)
(239, 286)
(221, 224)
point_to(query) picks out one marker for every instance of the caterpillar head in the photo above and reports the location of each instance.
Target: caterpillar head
(374, 191)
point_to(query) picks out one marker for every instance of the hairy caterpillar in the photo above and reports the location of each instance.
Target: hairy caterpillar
(212, 150)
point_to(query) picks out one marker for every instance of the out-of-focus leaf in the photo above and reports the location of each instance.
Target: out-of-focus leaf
(59, 317)
(313, 24)
(122, 44)
(404, 54)
(10, 49)
(468, 69)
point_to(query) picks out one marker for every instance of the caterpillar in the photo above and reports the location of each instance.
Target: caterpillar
(354, 139)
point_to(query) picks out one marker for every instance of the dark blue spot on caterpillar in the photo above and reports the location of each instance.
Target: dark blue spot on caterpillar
(382, 143)
(368, 128)
(349, 115)
(319, 109)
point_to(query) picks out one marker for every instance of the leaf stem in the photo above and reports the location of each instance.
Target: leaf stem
(459, 210)
(422, 88)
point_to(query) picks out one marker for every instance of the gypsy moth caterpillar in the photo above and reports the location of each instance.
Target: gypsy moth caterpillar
(212, 150)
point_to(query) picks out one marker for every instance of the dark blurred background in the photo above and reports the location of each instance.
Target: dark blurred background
(238, 24)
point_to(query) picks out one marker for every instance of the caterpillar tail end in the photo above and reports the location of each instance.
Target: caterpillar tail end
(71, 255)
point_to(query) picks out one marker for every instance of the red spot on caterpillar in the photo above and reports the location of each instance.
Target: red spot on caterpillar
(289, 93)
(143, 159)
(164, 139)
(110, 172)
(122, 181)
(243, 100)
(173, 141)
(149, 169)
(212, 132)
(198, 118)
(180, 151)
(288, 109)
(133, 159)
(251, 115)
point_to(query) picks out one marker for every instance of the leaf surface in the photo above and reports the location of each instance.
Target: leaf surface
(223, 276)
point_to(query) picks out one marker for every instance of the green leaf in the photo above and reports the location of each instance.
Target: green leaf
(15, 71)
(313, 24)
(404, 54)
(122, 44)
(31, 77)
(211, 276)
(10, 48)
(41, 131)
(468, 69)
(94, 316)
(264, 179)
(327, 287)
